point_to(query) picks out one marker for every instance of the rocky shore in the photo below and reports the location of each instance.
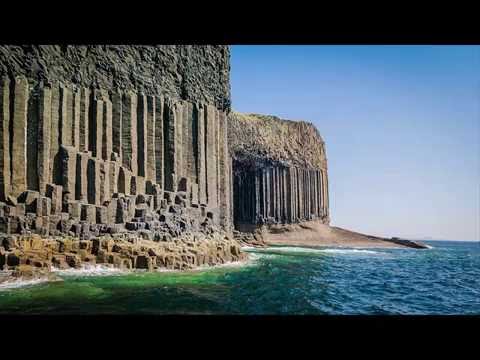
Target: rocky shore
(31, 256)
(317, 234)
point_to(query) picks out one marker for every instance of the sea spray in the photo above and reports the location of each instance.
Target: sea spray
(90, 270)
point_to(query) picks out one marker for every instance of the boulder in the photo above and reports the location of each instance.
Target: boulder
(73, 260)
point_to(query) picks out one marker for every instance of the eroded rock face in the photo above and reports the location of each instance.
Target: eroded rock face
(265, 140)
(279, 171)
(190, 72)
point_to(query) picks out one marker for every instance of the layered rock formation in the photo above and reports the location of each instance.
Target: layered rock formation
(98, 140)
(189, 72)
(279, 171)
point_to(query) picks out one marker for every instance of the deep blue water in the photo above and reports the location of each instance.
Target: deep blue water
(278, 280)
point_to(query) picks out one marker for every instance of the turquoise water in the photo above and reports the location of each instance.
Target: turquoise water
(278, 280)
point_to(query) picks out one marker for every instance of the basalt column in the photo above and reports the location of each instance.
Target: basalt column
(117, 125)
(170, 146)
(84, 149)
(278, 195)
(44, 128)
(32, 128)
(19, 138)
(211, 155)
(142, 118)
(151, 164)
(159, 141)
(189, 140)
(179, 129)
(83, 120)
(90, 141)
(199, 114)
(129, 131)
(279, 171)
(4, 139)
(326, 196)
(107, 129)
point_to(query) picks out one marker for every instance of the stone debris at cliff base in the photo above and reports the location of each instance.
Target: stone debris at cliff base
(29, 255)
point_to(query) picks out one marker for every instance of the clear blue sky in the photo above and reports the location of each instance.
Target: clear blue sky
(401, 124)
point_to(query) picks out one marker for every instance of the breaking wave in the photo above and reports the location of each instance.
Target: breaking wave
(19, 282)
(304, 250)
(103, 270)
(349, 251)
(90, 270)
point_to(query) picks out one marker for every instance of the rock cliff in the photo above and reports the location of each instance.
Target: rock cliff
(103, 141)
(192, 73)
(264, 140)
(280, 186)
(279, 171)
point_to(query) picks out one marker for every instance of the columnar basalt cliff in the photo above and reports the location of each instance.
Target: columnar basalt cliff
(189, 72)
(280, 186)
(279, 171)
(106, 140)
(130, 156)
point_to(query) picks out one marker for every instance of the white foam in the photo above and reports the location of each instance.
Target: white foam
(165, 270)
(349, 251)
(19, 282)
(235, 264)
(293, 249)
(232, 264)
(90, 270)
(103, 270)
(257, 256)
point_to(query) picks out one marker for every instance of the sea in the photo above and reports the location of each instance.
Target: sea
(444, 279)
